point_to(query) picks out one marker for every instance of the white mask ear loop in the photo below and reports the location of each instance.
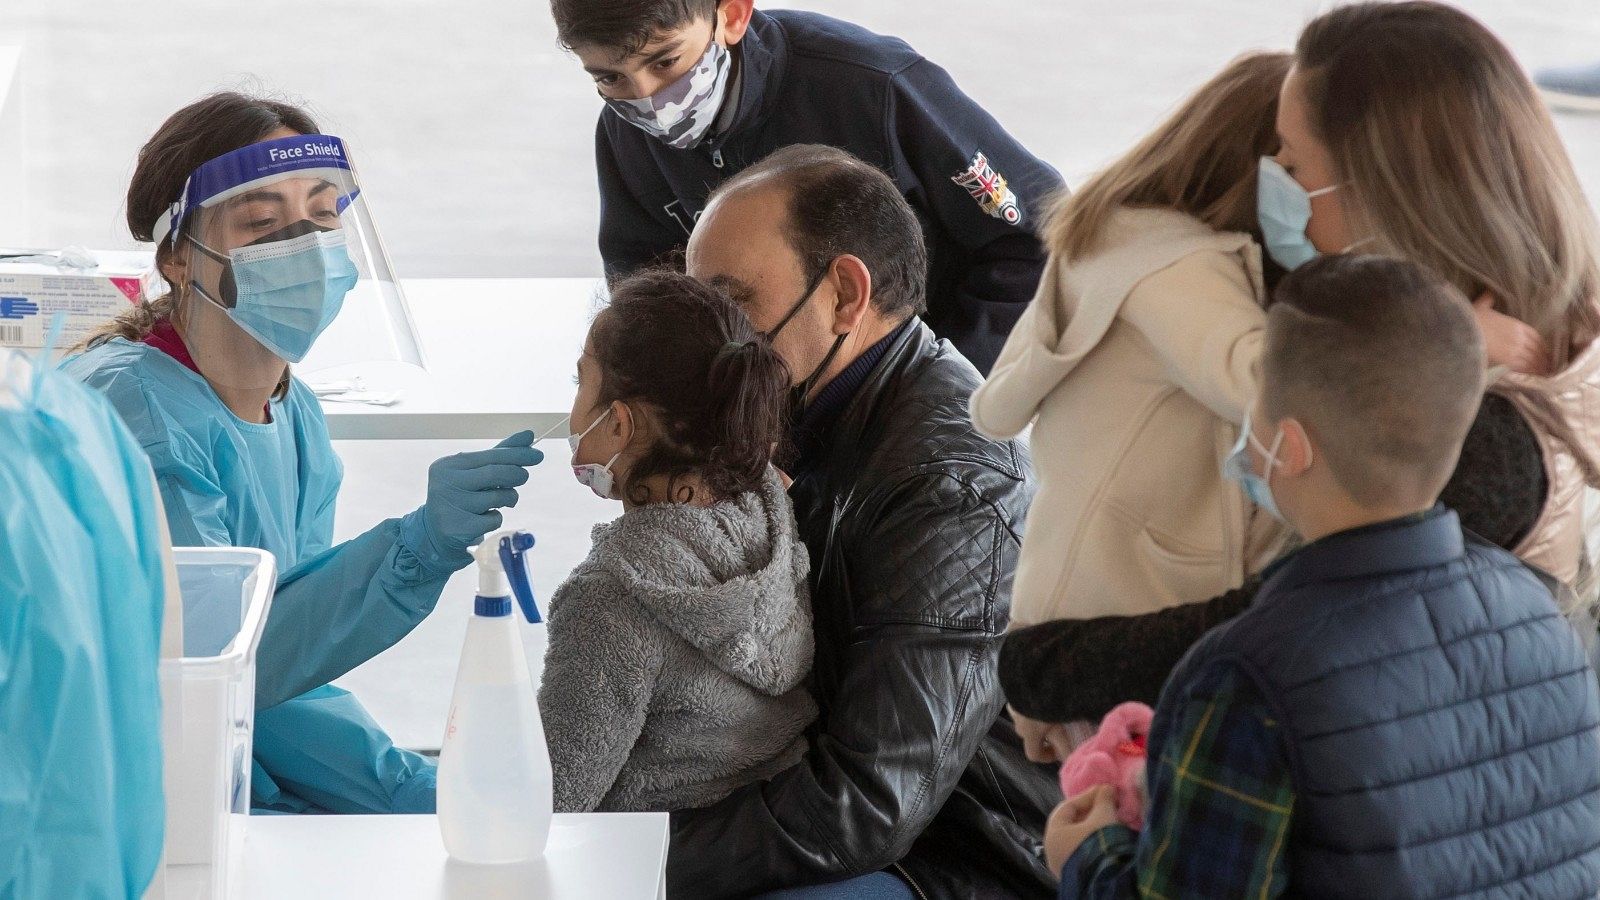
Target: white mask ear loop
(1319, 192)
(577, 439)
(1270, 456)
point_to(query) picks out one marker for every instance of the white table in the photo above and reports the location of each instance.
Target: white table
(614, 856)
(500, 353)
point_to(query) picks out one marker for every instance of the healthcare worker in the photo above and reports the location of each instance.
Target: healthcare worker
(264, 239)
(81, 604)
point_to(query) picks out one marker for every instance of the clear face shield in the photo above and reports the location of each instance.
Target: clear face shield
(278, 256)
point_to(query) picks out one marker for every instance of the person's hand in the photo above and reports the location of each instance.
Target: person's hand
(1074, 820)
(1510, 342)
(467, 491)
(1043, 742)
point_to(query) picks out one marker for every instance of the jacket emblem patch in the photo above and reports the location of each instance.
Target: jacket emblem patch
(989, 188)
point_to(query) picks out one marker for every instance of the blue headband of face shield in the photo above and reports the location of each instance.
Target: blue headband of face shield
(231, 174)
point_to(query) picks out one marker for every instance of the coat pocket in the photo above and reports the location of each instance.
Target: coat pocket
(1186, 572)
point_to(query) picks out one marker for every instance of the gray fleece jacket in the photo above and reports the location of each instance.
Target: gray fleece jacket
(678, 655)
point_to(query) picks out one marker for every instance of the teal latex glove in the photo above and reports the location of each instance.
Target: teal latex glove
(465, 495)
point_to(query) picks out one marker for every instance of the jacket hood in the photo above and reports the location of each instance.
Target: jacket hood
(730, 579)
(1077, 302)
(763, 55)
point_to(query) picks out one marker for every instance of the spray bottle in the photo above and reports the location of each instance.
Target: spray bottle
(495, 799)
(535, 637)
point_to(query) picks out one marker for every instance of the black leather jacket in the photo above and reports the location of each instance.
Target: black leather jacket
(913, 525)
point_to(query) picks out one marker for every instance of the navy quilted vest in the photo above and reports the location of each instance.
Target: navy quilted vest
(1443, 724)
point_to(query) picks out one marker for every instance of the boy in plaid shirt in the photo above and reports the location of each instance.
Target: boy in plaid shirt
(1403, 711)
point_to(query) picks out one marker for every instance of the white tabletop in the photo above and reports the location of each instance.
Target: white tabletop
(500, 353)
(616, 856)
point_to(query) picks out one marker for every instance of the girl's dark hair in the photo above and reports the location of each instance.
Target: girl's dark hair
(708, 389)
(192, 136)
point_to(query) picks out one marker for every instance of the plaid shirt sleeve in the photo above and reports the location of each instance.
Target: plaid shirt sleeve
(1217, 821)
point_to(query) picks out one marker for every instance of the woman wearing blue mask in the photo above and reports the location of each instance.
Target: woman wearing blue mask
(1406, 129)
(263, 240)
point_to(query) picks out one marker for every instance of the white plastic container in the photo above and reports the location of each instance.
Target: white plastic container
(495, 795)
(208, 708)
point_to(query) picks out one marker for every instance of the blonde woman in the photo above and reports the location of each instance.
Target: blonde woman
(1431, 145)
(1407, 129)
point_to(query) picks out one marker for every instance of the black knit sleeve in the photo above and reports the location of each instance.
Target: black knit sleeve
(1499, 485)
(1073, 669)
(1068, 670)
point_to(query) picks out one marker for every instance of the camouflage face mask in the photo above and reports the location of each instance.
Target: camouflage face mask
(680, 114)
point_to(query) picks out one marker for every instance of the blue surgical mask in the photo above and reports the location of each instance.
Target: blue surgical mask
(1236, 467)
(680, 114)
(285, 289)
(1284, 209)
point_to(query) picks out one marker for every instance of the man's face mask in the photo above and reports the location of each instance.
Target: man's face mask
(798, 393)
(285, 288)
(680, 114)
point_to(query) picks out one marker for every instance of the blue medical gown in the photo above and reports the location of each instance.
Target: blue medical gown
(226, 482)
(81, 590)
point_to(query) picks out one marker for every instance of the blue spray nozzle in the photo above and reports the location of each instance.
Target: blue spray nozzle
(513, 555)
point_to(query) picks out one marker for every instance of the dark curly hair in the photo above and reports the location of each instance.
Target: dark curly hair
(713, 392)
(624, 26)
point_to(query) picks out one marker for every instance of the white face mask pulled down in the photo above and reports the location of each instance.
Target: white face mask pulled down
(595, 477)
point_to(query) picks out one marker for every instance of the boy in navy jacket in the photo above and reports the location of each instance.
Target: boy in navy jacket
(1403, 711)
(696, 90)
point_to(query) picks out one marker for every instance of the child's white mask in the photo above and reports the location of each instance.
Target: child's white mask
(596, 477)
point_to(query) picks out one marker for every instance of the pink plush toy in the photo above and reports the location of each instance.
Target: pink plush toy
(1114, 756)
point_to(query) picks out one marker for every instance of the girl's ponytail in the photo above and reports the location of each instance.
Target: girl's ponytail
(713, 392)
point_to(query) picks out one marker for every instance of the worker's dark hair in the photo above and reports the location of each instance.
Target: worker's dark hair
(709, 390)
(1381, 360)
(194, 135)
(200, 132)
(624, 26)
(837, 205)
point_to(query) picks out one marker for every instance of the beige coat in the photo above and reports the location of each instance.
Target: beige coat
(1134, 367)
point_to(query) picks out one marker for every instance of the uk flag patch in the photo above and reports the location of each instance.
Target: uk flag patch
(989, 188)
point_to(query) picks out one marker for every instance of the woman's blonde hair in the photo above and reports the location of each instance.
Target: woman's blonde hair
(1202, 160)
(1453, 161)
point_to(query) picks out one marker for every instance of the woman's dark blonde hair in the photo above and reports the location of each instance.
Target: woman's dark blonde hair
(1453, 161)
(1202, 160)
(202, 131)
